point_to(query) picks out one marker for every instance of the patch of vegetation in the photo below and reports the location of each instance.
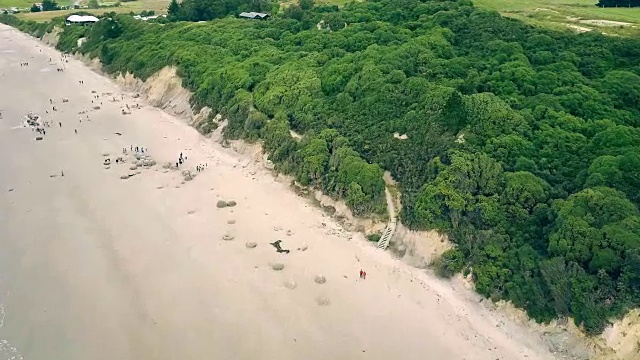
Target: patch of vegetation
(449, 263)
(523, 143)
(375, 237)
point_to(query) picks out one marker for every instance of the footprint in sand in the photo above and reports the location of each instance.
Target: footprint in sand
(290, 284)
(323, 301)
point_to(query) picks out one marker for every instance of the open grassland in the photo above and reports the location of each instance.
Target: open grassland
(22, 4)
(578, 15)
(159, 6)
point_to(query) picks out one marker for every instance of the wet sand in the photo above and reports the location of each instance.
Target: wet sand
(96, 267)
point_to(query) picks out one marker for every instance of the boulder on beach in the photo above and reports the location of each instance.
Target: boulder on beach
(133, 167)
(231, 222)
(290, 284)
(251, 245)
(277, 266)
(138, 156)
(221, 204)
(152, 162)
(96, 107)
(124, 177)
(167, 165)
(188, 177)
(146, 163)
(320, 279)
(231, 203)
(228, 237)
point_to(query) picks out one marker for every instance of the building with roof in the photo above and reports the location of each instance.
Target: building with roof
(254, 15)
(81, 19)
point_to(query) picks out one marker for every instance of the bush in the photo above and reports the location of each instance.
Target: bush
(449, 263)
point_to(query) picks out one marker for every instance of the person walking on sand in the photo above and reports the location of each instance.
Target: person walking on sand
(59, 123)
(62, 172)
(364, 275)
(361, 273)
(76, 130)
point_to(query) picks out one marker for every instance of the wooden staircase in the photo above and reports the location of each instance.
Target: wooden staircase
(383, 243)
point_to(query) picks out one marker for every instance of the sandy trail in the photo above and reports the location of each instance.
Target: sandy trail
(95, 267)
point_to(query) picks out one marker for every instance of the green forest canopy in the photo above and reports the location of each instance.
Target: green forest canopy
(523, 144)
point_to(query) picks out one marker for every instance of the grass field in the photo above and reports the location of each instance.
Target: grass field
(579, 15)
(21, 4)
(159, 6)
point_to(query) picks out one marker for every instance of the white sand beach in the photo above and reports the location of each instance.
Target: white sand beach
(93, 266)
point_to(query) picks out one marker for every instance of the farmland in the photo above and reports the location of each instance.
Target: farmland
(578, 15)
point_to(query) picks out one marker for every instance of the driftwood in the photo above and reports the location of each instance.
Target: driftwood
(276, 244)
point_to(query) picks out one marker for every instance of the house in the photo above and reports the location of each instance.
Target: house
(254, 15)
(78, 19)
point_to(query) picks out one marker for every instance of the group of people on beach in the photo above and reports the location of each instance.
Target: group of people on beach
(137, 149)
(363, 274)
(24, 64)
(181, 160)
(201, 167)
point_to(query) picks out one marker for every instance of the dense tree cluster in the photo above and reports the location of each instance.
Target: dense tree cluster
(619, 3)
(204, 10)
(522, 144)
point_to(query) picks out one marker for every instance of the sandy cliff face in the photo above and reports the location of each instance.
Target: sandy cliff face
(621, 341)
(163, 90)
(52, 38)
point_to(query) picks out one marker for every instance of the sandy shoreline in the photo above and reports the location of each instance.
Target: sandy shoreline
(96, 267)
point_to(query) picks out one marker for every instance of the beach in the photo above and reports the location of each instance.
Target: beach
(97, 266)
